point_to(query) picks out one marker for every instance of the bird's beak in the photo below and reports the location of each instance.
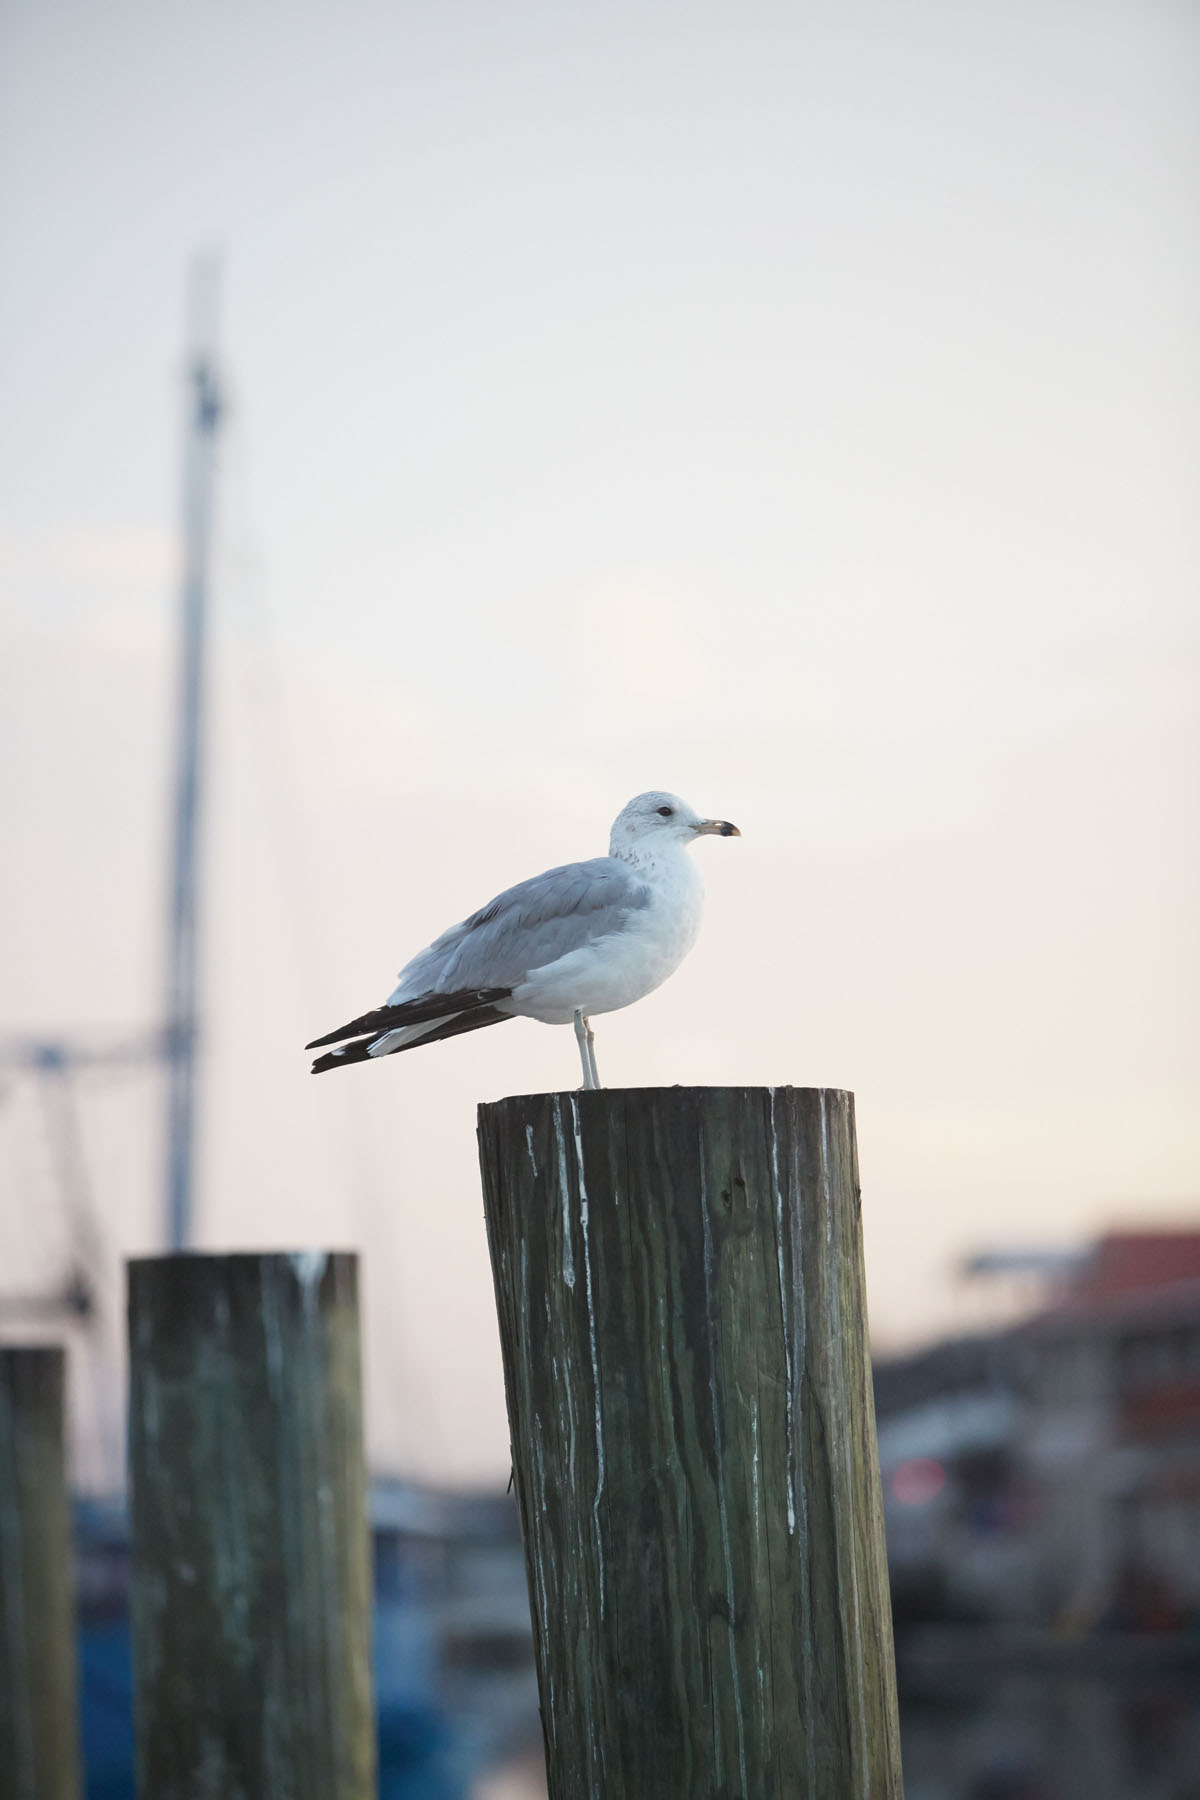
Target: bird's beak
(716, 828)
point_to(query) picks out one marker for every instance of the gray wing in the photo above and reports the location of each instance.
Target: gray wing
(525, 927)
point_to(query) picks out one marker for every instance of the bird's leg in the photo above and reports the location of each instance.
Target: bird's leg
(591, 1051)
(583, 1037)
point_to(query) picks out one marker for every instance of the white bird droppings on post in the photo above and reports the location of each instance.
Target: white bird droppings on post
(564, 1184)
(309, 1266)
(587, 1273)
(791, 1373)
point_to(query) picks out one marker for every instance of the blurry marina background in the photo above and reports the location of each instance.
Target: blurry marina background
(796, 410)
(1042, 1500)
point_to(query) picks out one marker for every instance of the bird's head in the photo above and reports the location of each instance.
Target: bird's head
(657, 818)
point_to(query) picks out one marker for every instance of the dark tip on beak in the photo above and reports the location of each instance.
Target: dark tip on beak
(728, 830)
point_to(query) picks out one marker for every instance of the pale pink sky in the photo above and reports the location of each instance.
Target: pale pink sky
(792, 406)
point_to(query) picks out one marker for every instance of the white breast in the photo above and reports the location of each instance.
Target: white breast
(616, 970)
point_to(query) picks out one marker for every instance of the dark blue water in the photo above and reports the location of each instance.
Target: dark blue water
(423, 1754)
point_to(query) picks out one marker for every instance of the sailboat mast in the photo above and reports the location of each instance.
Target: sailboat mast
(182, 1029)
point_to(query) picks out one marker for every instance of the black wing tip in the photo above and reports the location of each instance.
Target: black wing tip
(471, 1018)
(367, 1022)
(412, 1012)
(344, 1056)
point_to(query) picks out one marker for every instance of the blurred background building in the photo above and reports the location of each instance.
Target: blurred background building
(1042, 1504)
(1042, 1500)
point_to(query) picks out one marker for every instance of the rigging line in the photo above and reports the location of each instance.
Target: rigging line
(24, 1172)
(268, 712)
(89, 1296)
(55, 1066)
(95, 1250)
(268, 715)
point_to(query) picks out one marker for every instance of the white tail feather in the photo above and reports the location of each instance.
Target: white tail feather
(405, 1034)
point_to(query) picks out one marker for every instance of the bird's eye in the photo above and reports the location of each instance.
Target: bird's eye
(666, 812)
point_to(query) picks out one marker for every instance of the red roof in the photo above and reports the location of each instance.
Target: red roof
(1129, 1262)
(1130, 1275)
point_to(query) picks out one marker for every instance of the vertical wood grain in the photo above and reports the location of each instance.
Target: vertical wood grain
(39, 1727)
(251, 1571)
(679, 1279)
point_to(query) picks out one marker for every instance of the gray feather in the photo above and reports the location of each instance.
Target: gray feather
(527, 926)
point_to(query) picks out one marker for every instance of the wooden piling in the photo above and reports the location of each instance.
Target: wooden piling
(251, 1570)
(39, 1727)
(679, 1279)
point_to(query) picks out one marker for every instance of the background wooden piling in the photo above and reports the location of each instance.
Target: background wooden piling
(39, 1730)
(680, 1287)
(251, 1574)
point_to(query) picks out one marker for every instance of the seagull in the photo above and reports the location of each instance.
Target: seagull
(586, 938)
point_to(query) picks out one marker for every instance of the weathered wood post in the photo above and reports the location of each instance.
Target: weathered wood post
(39, 1726)
(251, 1572)
(680, 1286)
